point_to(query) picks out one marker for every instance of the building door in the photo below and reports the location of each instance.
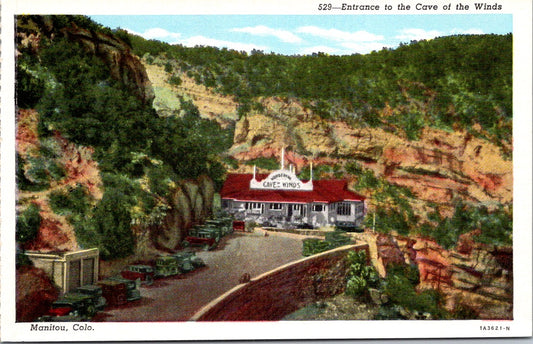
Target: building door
(289, 211)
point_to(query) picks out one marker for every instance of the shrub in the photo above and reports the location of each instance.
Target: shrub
(313, 246)
(109, 227)
(399, 287)
(175, 80)
(496, 225)
(250, 226)
(28, 223)
(29, 89)
(37, 175)
(356, 286)
(337, 239)
(410, 272)
(360, 275)
(72, 201)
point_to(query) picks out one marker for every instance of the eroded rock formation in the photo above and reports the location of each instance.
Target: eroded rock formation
(479, 278)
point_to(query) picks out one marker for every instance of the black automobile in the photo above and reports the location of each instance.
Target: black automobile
(95, 292)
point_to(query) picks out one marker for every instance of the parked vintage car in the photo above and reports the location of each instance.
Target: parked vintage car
(166, 266)
(144, 273)
(238, 226)
(132, 287)
(223, 225)
(94, 291)
(188, 261)
(71, 307)
(205, 239)
(115, 292)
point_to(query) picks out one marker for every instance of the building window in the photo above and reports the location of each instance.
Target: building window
(297, 209)
(255, 207)
(276, 206)
(318, 208)
(344, 209)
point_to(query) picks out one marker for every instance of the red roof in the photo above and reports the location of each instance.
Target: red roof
(237, 187)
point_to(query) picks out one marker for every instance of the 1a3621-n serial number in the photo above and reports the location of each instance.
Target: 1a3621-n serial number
(324, 7)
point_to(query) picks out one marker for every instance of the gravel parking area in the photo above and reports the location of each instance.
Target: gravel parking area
(179, 297)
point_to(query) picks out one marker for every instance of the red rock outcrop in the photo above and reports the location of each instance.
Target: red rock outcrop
(55, 233)
(478, 278)
(35, 293)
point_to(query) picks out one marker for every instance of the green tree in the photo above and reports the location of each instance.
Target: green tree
(28, 223)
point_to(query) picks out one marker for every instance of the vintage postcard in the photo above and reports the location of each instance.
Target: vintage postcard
(192, 170)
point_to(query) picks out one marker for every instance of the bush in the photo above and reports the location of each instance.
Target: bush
(37, 174)
(410, 272)
(70, 202)
(356, 286)
(250, 226)
(390, 312)
(175, 80)
(496, 225)
(313, 246)
(109, 227)
(337, 239)
(360, 275)
(29, 89)
(21, 259)
(28, 223)
(399, 287)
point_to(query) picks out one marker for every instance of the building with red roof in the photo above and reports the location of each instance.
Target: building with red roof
(282, 199)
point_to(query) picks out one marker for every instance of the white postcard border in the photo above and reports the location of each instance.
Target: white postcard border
(520, 326)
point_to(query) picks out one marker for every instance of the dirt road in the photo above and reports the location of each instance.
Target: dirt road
(179, 297)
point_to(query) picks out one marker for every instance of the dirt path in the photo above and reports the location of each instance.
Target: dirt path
(179, 297)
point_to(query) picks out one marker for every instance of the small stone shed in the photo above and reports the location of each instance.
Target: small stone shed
(68, 270)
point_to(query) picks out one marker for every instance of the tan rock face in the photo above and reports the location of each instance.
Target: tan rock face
(167, 96)
(437, 168)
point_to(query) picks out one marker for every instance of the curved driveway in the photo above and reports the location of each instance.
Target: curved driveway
(180, 297)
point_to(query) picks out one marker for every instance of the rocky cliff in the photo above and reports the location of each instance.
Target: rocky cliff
(54, 165)
(475, 276)
(439, 166)
(436, 168)
(123, 65)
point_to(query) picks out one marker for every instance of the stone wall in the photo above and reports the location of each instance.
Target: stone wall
(281, 291)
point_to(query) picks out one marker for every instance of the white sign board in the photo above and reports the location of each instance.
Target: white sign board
(281, 180)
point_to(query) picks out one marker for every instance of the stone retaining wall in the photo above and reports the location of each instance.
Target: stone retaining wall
(281, 291)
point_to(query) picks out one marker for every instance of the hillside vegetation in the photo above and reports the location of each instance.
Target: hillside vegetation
(423, 130)
(449, 82)
(141, 156)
